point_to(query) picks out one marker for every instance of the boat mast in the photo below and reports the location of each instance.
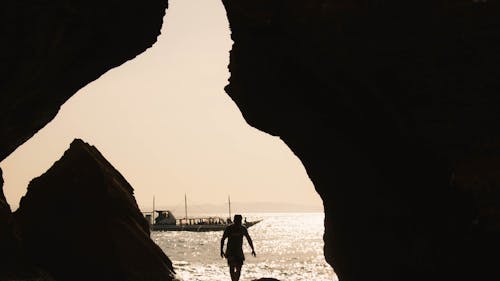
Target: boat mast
(185, 207)
(229, 201)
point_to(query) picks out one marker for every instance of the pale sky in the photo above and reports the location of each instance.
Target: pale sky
(164, 121)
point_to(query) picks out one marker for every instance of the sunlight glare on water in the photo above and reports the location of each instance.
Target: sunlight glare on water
(289, 247)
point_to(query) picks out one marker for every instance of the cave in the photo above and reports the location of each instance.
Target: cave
(391, 107)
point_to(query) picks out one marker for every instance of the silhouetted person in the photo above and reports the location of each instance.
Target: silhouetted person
(234, 250)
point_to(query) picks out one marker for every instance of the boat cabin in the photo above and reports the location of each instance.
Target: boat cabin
(165, 217)
(202, 221)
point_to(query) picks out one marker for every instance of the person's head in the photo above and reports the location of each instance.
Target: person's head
(237, 219)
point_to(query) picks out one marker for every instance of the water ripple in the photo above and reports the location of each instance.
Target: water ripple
(289, 247)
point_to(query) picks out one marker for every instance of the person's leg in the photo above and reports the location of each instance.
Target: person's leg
(232, 272)
(237, 272)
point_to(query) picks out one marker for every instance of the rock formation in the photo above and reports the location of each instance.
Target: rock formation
(80, 221)
(380, 100)
(52, 48)
(9, 242)
(388, 104)
(13, 263)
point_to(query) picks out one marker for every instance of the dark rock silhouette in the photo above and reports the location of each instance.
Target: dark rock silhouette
(380, 100)
(10, 250)
(13, 263)
(80, 221)
(56, 47)
(385, 103)
(478, 176)
(266, 279)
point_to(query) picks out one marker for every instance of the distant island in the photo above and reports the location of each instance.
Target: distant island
(239, 207)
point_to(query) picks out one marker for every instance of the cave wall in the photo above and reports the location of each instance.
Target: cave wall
(389, 105)
(52, 48)
(9, 242)
(383, 101)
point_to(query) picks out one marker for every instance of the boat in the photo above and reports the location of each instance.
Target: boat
(166, 221)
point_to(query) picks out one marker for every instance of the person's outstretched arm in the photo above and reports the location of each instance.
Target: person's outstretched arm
(249, 239)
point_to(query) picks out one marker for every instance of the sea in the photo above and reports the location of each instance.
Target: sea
(289, 247)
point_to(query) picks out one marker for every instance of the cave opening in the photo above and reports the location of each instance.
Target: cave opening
(164, 121)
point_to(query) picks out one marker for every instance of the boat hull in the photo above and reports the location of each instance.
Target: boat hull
(196, 227)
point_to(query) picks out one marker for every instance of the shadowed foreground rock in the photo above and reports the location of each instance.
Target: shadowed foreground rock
(80, 221)
(9, 243)
(13, 264)
(10, 249)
